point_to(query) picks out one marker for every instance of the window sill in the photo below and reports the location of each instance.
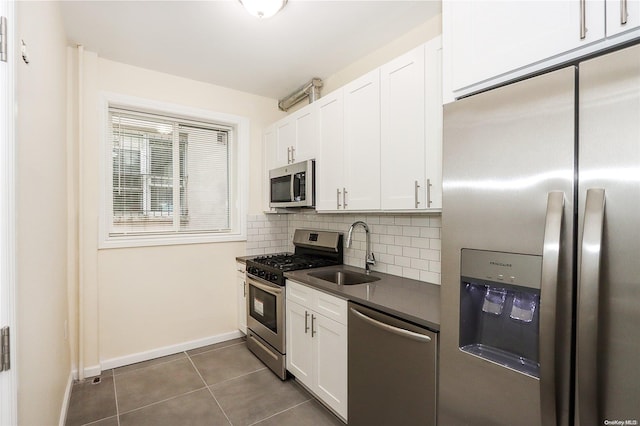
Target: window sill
(127, 241)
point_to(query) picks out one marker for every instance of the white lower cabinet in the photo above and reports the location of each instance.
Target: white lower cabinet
(316, 336)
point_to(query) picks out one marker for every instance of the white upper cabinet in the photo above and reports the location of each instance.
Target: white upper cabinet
(490, 42)
(297, 138)
(306, 145)
(402, 146)
(348, 164)
(377, 141)
(622, 16)
(411, 146)
(330, 161)
(362, 142)
(433, 124)
(269, 146)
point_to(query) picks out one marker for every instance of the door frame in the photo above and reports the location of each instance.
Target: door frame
(8, 379)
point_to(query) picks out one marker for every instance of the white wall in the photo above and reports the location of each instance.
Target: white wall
(43, 355)
(142, 299)
(413, 38)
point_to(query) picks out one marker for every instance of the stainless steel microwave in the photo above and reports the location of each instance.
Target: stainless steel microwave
(293, 185)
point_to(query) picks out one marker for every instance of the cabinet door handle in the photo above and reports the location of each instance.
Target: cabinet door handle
(624, 12)
(344, 197)
(306, 322)
(583, 19)
(288, 155)
(415, 193)
(429, 193)
(244, 288)
(313, 319)
(338, 205)
(293, 152)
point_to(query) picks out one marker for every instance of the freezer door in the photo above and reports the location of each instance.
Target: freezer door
(508, 176)
(608, 336)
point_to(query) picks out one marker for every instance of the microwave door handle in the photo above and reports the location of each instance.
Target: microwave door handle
(293, 184)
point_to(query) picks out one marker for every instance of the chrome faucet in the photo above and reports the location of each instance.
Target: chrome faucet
(369, 258)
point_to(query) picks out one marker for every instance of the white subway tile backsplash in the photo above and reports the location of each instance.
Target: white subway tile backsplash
(431, 277)
(420, 221)
(394, 230)
(387, 239)
(404, 245)
(402, 241)
(402, 261)
(410, 231)
(430, 254)
(411, 252)
(414, 274)
(397, 250)
(430, 232)
(420, 264)
(420, 242)
(402, 220)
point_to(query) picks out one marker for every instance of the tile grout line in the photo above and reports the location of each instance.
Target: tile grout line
(148, 366)
(214, 349)
(280, 412)
(209, 389)
(163, 400)
(95, 422)
(115, 394)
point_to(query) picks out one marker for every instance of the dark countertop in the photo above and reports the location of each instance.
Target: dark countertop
(415, 301)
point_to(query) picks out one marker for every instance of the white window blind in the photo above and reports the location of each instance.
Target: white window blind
(169, 176)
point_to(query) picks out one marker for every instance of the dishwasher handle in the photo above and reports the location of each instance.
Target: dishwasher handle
(391, 329)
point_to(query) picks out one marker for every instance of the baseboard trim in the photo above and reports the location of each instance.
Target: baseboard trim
(164, 351)
(66, 400)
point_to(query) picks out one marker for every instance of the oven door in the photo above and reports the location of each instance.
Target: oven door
(265, 311)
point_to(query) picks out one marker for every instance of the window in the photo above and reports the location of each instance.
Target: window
(170, 179)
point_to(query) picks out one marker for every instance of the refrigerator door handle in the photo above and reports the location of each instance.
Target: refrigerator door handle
(548, 297)
(588, 297)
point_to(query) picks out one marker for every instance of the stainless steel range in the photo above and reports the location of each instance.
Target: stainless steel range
(266, 297)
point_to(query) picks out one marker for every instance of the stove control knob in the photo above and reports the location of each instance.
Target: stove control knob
(274, 277)
(261, 273)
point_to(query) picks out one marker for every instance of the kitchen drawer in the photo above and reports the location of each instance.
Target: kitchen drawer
(325, 304)
(299, 293)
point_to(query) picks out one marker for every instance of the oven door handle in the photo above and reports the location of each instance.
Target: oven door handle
(269, 289)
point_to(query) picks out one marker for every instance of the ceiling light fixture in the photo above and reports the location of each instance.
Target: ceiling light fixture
(263, 8)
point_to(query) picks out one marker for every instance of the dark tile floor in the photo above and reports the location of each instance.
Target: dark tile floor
(222, 384)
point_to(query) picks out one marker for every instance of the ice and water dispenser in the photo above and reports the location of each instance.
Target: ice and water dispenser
(499, 308)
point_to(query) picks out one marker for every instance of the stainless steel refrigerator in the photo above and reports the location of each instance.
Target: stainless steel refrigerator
(541, 250)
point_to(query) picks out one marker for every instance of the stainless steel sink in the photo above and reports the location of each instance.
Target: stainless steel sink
(344, 277)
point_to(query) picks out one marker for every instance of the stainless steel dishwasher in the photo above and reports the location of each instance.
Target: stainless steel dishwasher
(392, 370)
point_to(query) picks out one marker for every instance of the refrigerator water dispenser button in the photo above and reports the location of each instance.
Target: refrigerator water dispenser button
(524, 306)
(494, 300)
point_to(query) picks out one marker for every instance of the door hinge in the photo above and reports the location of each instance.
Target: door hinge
(5, 355)
(3, 39)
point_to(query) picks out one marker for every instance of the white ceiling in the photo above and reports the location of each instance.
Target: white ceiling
(218, 42)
